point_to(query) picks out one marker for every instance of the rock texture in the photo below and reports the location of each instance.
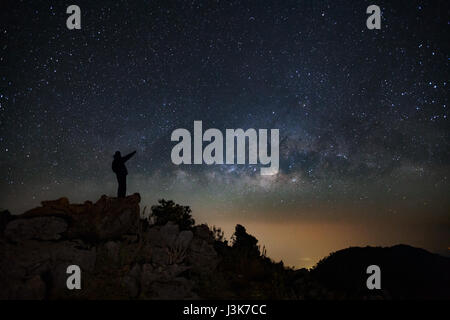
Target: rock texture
(106, 219)
(41, 228)
(35, 269)
(107, 240)
(122, 256)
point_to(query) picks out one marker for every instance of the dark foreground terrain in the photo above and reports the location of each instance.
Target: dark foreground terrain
(123, 256)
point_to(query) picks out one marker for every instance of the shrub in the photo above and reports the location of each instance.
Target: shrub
(167, 211)
(245, 242)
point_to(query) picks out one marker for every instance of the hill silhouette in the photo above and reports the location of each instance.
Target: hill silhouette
(167, 256)
(407, 272)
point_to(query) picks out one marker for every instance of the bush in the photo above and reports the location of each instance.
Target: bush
(167, 211)
(245, 242)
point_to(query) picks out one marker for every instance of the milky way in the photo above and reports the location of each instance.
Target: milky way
(362, 113)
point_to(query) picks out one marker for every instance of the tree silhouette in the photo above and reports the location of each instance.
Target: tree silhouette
(245, 242)
(167, 211)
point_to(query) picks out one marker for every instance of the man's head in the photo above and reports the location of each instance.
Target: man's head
(117, 155)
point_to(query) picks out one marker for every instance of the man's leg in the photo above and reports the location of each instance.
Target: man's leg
(122, 190)
(119, 187)
(124, 185)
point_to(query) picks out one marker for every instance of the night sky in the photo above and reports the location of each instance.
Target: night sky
(362, 114)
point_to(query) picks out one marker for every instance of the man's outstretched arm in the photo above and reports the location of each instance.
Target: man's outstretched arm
(128, 156)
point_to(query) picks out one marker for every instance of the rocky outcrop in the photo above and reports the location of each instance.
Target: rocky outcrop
(41, 228)
(203, 257)
(119, 254)
(174, 253)
(108, 218)
(37, 269)
(122, 256)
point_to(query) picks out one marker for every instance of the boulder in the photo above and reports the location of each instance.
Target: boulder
(159, 256)
(112, 250)
(176, 289)
(175, 270)
(184, 239)
(154, 236)
(130, 238)
(48, 260)
(136, 271)
(39, 228)
(202, 256)
(148, 275)
(169, 233)
(132, 281)
(202, 232)
(109, 218)
(31, 289)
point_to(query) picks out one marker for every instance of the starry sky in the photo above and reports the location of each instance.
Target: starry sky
(362, 114)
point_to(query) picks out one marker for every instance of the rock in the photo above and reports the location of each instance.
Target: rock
(145, 253)
(202, 256)
(145, 261)
(40, 228)
(146, 268)
(48, 260)
(154, 235)
(175, 270)
(131, 286)
(176, 289)
(132, 281)
(61, 203)
(136, 271)
(202, 231)
(75, 252)
(148, 275)
(109, 218)
(169, 233)
(130, 238)
(160, 256)
(36, 288)
(112, 249)
(184, 239)
(32, 289)
(112, 227)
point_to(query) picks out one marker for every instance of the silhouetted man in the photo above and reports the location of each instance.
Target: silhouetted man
(118, 166)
